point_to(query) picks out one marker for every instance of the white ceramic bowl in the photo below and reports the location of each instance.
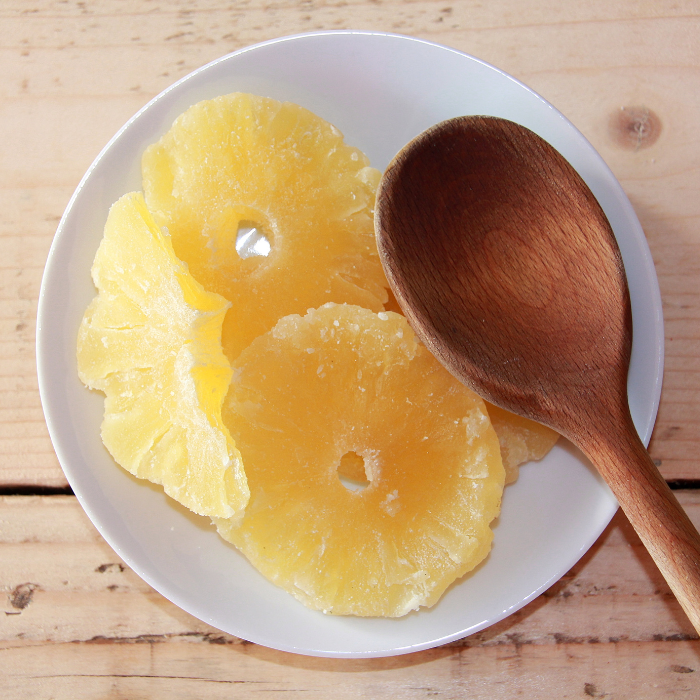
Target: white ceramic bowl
(380, 90)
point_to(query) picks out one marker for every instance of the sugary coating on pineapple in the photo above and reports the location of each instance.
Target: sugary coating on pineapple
(241, 161)
(340, 380)
(151, 341)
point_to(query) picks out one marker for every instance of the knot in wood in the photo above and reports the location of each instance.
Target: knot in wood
(635, 128)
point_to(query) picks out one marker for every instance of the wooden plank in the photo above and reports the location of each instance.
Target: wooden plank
(72, 587)
(122, 21)
(180, 669)
(589, 60)
(32, 212)
(75, 622)
(77, 131)
(78, 623)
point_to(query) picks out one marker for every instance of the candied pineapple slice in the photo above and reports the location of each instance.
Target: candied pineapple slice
(521, 440)
(241, 164)
(339, 381)
(151, 341)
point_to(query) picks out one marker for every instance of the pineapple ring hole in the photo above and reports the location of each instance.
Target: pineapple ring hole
(251, 240)
(352, 472)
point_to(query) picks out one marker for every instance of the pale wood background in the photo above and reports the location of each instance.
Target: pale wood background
(77, 623)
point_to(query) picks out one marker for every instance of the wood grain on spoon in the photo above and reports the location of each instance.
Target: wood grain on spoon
(508, 270)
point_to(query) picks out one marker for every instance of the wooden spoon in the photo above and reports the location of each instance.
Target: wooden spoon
(508, 270)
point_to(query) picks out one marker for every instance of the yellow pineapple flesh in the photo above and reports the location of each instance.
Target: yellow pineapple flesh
(241, 161)
(521, 440)
(340, 392)
(343, 380)
(151, 341)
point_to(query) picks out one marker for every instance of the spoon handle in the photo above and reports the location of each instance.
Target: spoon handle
(655, 514)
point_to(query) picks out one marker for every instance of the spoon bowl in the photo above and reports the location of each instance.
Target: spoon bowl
(508, 270)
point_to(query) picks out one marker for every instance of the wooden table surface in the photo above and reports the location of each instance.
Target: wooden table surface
(75, 621)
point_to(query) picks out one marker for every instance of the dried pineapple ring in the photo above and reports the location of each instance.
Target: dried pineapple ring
(521, 440)
(241, 161)
(151, 341)
(343, 379)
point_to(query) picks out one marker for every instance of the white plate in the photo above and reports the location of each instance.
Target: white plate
(380, 90)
